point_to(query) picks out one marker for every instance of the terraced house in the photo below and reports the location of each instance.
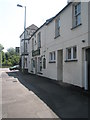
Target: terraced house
(24, 45)
(59, 49)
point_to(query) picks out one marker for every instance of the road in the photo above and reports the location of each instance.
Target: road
(26, 96)
(19, 102)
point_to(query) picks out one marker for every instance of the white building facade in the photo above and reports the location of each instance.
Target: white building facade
(24, 50)
(58, 49)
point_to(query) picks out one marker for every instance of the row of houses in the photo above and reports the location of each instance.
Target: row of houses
(59, 49)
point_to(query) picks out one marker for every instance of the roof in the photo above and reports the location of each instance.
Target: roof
(32, 27)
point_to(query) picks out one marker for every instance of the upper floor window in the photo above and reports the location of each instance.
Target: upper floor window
(71, 53)
(26, 49)
(39, 39)
(77, 14)
(57, 27)
(33, 44)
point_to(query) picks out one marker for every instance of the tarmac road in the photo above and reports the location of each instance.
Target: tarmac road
(52, 100)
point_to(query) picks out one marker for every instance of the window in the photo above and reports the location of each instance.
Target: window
(57, 27)
(26, 62)
(77, 14)
(40, 64)
(26, 47)
(39, 39)
(44, 63)
(33, 44)
(33, 63)
(71, 53)
(52, 56)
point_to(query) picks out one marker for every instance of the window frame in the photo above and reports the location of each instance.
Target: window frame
(44, 63)
(77, 15)
(52, 56)
(39, 39)
(72, 58)
(32, 43)
(26, 47)
(57, 27)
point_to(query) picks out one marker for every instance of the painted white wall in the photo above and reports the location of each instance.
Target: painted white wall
(72, 71)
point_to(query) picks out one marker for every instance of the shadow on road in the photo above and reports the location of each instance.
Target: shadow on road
(65, 101)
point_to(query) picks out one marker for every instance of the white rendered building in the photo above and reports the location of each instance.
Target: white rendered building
(59, 49)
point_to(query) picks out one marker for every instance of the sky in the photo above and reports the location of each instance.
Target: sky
(12, 17)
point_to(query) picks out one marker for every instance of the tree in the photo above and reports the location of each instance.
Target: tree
(11, 51)
(1, 47)
(11, 58)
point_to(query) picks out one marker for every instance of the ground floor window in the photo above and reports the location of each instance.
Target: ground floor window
(26, 62)
(40, 64)
(44, 63)
(71, 53)
(52, 56)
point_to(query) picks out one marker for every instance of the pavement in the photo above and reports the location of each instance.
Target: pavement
(32, 96)
(19, 102)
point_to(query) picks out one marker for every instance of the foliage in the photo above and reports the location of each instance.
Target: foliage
(10, 58)
(1, 47)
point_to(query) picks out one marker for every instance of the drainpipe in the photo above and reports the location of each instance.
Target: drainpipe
(85, 71)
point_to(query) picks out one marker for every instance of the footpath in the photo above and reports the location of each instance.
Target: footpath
(19, 102)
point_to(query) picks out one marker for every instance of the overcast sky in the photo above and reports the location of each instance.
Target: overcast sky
(12, 17)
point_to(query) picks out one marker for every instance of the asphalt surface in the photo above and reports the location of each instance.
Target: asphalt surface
(65, 100)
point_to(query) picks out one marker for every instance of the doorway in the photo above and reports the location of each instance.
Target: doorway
(35, 65)
(88, 66)
(60, 65)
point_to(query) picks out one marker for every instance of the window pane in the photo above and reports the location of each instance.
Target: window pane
(57, 27)
(76, 10)
(69, 53)
(40, 63)
(78, 19)
(74, 52)
(51, 57)
(54, 56)
(44, 63)
(79, 8)
(39, 40)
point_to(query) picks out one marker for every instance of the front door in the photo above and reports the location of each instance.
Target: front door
(36, 65)
(88, 60)
(60, 65)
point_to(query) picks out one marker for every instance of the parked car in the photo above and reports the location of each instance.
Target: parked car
(16, 67)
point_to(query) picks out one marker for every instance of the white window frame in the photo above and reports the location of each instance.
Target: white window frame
(57, 27)
(26, 47)
(39, 39)
(72, 53)
(32, 43)
(77, 14)
(52, 56)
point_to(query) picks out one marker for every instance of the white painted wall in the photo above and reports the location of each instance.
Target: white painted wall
(72, 71)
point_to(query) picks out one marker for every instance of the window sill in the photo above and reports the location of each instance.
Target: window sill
(56, 36)
(52, 61)
(76, 26)
(74, 60)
